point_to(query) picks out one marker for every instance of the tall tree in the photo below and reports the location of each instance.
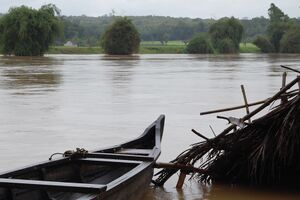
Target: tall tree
(279, 24)
(26, 31)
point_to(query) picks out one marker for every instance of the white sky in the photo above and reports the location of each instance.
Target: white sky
(175, 8)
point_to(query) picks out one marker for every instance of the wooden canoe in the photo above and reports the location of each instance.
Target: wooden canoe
(120, 172)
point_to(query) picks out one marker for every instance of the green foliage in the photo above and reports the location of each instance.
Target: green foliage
(121, 38)
(226, 35)
(264, 44)
(29, 32)
(279, 24)
(199, 44)
(290, 42)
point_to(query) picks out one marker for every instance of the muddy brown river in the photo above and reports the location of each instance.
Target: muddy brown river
(61, 102)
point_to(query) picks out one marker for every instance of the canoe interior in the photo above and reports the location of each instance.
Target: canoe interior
(101, 171)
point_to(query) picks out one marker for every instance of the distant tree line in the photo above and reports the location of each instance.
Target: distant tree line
(86, 31)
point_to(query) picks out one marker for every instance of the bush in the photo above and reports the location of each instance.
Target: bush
(199, 44)
(29, 32)
(264, 44)
(121, 38)
(290, 42)
(226, 34)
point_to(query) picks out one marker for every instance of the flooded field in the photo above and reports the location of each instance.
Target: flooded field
(61, 102)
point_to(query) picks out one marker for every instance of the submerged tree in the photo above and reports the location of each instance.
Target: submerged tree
(226, 35)
(121, 38)
(199, 44)
(26, 31)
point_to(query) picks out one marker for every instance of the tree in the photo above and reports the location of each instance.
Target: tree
(121, 38)
(264, 44)
(279, 24)
(226, 34)
(200, 44)
(26, 31)
(290, 42)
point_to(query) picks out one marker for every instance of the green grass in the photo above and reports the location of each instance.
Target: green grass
(249, 48)
(147, 47)
(157, 43)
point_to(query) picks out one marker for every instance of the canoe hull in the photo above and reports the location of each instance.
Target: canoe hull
(121, 172)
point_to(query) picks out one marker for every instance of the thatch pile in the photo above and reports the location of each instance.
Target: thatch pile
(264, 153)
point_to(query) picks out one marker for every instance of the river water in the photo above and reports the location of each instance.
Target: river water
(61, 102)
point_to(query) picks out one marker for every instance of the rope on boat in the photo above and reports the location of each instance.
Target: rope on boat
(78, 153)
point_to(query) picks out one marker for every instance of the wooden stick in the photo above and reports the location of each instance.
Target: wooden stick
(181, 179)
(283, 98)
(264, 105)
(200, 135)
(212, 130)
(246, 102)
(298, 83)
(289, 68)
(232, 108)
(186, 168)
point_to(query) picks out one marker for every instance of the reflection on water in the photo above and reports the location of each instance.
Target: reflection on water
(121, 70)
(95, 101)
(29, 75)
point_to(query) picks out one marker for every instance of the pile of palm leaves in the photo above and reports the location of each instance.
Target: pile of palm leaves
(265, 152)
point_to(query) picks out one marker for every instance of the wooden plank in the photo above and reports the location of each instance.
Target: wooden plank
(52, 185)
(119, 156)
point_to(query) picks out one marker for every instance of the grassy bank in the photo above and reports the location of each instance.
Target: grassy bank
(148, 47)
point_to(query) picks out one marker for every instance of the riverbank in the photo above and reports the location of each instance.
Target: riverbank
(173, 47)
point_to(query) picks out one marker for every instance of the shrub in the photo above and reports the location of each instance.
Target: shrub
(264, 44)
(121, 38)
(199, 44)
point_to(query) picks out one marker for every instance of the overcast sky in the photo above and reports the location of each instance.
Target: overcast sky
(175, 8)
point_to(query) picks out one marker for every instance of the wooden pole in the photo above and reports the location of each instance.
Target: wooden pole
(200, 135)
(232, 108)
(264, 105)
(186, 168)
(181, 179)
(283, 98)
(298, 83)
(289, 68)
(246, 101)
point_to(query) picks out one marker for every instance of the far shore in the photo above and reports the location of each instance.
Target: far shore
(173, 47)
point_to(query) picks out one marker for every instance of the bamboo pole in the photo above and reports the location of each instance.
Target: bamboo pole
(200, 135)
(283, 98)
(246, 101)
(264, 105)
(298, 83)
(289, 68)
(232, 108)
(181, 179)
(186, 168)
